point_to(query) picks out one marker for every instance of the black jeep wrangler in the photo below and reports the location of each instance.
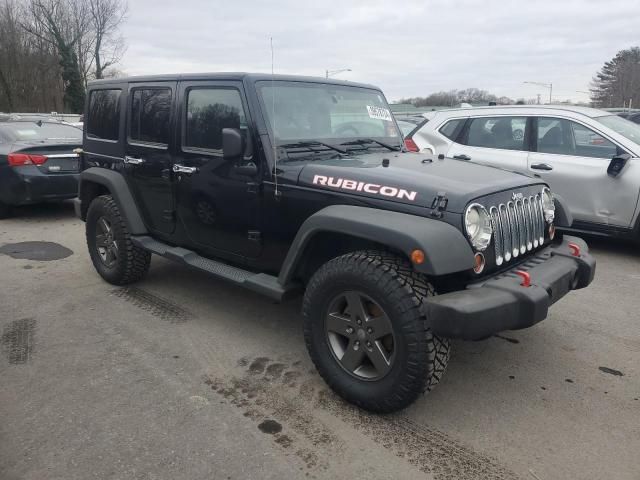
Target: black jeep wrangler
(288, 185)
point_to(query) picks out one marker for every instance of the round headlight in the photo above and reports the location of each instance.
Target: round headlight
(477, 223)
(548, 207)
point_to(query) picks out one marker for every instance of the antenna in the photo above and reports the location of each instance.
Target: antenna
(273, 126)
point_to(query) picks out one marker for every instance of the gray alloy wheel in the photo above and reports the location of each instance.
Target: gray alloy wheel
(360, 335)
(105, 243)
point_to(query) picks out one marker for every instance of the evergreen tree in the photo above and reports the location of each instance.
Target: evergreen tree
(618, 81)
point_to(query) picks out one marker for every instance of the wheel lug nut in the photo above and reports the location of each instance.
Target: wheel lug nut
(356, 345)
(369, 330)
(368, 344)
(359, 322)
(349, 330)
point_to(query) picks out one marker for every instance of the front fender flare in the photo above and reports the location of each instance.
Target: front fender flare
(446, 249)
(119, 189)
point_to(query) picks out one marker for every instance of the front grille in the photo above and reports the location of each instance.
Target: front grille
(518, 227)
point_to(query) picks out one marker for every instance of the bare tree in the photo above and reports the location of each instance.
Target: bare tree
(30, 77)
(53, 21)
(108, 46)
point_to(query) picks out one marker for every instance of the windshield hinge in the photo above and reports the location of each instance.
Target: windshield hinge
(439, 205)
(254, 236)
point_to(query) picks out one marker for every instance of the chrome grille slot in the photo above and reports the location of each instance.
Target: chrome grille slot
(518, 227)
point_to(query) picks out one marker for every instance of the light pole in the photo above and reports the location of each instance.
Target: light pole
(546, 85)
(329, 73)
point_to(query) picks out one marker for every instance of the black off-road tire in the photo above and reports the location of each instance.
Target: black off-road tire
(421, 357)
(5, 210)
(132, 262)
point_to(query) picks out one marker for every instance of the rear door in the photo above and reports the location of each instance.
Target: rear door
(573, 159)
(499, 141)
(149, 143)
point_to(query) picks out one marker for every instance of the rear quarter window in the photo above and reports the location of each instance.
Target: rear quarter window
(103, 122)
(452, 128)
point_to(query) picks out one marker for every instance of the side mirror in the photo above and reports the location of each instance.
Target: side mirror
(617, 164)
(232, 143)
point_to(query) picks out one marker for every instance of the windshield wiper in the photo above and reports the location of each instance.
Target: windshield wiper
(313, 143)
(364, 141)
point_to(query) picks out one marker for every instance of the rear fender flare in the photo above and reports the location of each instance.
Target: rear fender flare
(445, 247)
(119, 190)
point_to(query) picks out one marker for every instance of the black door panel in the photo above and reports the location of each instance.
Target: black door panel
(148, 152)
(216, 205)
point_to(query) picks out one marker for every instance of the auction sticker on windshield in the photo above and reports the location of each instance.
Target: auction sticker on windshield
(379, 113)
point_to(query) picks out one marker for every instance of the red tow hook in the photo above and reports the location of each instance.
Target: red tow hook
(526, 278)
(575, 249)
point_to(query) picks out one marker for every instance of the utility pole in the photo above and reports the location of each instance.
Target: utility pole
(546, 85)
(538, 99)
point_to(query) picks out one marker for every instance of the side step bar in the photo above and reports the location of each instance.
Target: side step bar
(258, 282)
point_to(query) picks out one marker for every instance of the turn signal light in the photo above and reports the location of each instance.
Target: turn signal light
(479, 262)
(19, 159)
(410, 145)
(417, 257)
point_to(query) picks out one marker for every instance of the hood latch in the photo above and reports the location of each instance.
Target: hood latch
(439, 205)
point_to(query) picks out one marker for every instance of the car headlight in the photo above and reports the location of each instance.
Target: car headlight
(477, 223)
(548, 206)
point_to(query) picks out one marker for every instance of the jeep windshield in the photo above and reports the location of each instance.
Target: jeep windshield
(300, 113)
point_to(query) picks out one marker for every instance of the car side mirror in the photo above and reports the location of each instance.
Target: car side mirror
(232, 143)
(617, 164)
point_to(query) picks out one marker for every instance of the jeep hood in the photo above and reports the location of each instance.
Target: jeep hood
(410, 178)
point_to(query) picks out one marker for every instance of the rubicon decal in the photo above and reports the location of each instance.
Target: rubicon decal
(354, 185)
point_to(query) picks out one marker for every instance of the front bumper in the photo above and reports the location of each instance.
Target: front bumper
(501, 303)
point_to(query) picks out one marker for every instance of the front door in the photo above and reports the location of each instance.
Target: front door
(148, 152)
(496, 141)
(573, 160)
(216, 204)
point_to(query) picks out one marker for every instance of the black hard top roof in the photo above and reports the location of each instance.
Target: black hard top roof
(238, 76)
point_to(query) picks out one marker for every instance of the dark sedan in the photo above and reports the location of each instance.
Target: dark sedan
(37, 163)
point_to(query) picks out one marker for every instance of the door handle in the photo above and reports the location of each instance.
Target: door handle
(462, 157)
(133, 160)
(177, 168)
(541, 166)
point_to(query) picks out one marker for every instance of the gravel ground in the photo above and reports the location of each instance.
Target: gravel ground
(182, 376)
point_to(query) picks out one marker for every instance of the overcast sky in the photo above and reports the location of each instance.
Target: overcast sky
(408, 48)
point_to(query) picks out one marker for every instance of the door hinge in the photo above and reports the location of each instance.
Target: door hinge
(168, 215)
(254, 236)
(439, 205)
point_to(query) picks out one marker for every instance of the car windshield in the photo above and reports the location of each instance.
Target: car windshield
(39, 132)
(620, 125)
(298, 111)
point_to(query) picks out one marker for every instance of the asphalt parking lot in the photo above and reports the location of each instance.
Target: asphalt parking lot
(182, 376)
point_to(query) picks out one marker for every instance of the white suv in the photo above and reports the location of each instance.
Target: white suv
(589, 157)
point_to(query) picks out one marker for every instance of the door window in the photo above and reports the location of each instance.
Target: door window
(150, 115)
(103, 122)
(564, 137)
(497, 132)
(209, 110)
